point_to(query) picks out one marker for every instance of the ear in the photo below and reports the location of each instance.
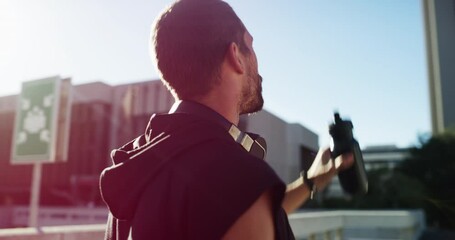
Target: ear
(235, 58)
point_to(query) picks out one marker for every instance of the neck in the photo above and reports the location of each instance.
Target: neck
(224, 96)
(220, 104)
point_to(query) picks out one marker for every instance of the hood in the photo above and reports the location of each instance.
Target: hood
(133, 164)
(137, 162)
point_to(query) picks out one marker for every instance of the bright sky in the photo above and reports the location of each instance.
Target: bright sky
(365, 58)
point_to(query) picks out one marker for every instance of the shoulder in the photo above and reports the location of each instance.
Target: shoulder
(223, 182)
(214, 179)
(257, 222)
(226, 161)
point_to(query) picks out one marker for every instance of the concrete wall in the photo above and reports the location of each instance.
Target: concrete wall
(440, 36)
(92, 92)
(283, 142)
(132, 106)
(445, 22)
(298, 136)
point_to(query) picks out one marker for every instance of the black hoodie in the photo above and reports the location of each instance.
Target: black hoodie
(185, 178)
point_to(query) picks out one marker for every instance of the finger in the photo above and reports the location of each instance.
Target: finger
(325, 155)
(344, 161)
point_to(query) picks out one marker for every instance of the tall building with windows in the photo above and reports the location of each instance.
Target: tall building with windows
(105, 117)
(440, 39)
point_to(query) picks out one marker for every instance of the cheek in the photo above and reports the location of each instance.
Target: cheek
(253, 63)
(255, 67)
(255, 60)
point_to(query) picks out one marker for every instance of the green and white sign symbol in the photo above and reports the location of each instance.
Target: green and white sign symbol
(34, 135)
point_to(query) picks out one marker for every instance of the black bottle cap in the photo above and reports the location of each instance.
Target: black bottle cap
(340, 126)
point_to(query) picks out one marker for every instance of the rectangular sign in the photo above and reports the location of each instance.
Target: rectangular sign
(35, 131)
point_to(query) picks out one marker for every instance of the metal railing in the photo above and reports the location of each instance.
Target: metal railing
(56, 216)
(326, 225)
(393, 224)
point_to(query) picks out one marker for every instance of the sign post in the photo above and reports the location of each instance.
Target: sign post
(35, 194)
(38, 130)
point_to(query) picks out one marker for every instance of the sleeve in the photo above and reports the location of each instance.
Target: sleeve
(224, 183)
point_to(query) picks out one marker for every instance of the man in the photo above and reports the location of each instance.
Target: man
(193, 174)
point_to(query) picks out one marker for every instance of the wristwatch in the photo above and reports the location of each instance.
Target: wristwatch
(309, 183)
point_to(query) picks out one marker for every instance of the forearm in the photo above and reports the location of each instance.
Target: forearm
(297, 193)
(321, 172)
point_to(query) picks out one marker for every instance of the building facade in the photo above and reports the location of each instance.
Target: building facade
(440, 39)
(374, 158)
(105, 117)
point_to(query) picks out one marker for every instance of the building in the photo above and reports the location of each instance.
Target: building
(104, 117)
(64, 183)
(440, 39)
(384, 156)
(374, 157)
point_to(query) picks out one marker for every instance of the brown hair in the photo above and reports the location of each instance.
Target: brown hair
(191, 38)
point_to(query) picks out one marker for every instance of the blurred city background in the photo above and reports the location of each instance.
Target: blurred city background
(389, 66)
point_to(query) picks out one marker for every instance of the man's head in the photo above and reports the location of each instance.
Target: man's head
(191, 39)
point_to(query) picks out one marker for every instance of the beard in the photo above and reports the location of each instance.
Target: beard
(251, 100)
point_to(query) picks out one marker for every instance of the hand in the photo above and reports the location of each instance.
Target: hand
(324, 168)
(321, 172)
